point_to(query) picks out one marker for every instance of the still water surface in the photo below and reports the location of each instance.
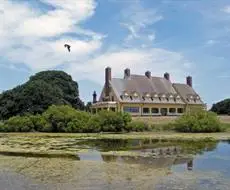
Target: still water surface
(119, 164)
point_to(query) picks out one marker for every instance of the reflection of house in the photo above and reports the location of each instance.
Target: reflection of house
(161, 162)
(146, 95)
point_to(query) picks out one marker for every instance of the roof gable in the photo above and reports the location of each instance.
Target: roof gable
(188, 94)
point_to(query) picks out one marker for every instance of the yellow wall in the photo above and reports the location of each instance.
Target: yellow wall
(150, 105)
(120, 107)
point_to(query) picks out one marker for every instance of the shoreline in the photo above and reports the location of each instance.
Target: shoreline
(165, 135)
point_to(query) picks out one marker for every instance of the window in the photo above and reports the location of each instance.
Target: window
(180, 110)
(135, 94)
(145, 110)
(113, 109)
(155, 110)
(163, 111)
(112, 98)
(172, 110)
(147, 95)
(131, 109)
(131, 98)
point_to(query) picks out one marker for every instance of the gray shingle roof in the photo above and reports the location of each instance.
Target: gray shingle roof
(188, 93)
(154, 89)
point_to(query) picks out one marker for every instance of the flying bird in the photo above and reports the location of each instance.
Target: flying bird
(67, 46)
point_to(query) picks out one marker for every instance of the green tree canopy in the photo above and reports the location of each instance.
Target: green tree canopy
(42, 90)
(222, 107)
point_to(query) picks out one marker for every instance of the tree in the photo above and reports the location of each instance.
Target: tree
(44, 89)
(88, 106)
(222, 107)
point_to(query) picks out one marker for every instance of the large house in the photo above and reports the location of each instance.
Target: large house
(146, 95)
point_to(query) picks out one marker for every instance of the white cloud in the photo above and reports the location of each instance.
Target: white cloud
(37, 39)
(26, 36)
(136, 18)
(138, 60)
(210, 43)
(226, 9)
(151, 37)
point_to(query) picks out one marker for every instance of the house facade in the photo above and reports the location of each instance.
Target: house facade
(146, 95)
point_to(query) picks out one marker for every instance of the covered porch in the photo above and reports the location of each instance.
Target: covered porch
(99, 106)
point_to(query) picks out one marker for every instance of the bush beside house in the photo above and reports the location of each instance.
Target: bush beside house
(65, 118)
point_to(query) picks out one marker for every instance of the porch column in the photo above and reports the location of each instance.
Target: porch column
(167, 111)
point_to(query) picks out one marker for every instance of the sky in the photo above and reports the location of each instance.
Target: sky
(181, 37)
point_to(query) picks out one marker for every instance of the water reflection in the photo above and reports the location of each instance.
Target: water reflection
(190, 165)
(126, 164)
(160, 146)
(162, 162)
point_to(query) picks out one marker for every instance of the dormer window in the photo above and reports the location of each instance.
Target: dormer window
(191, 97)
(163, 96)
(155, 96)
(171, 96)
(147, 95)
(126, 94)
(135, 94)
(178, 97)
(197, 97)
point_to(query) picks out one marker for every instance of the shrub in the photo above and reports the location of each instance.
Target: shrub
(126, 117)
(66, 119)
(59, 116)
(138, 126)
(198, 121)
(111, 121)
(19, 124)
(94, 124)
(3, 127)
(40, 123)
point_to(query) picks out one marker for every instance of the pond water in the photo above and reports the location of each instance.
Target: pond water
(114, 164)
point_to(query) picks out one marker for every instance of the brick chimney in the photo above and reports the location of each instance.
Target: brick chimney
(108, 77)
(148, 74)
(189, 81)
(94, 97)
(167, 76)
(127, 73)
